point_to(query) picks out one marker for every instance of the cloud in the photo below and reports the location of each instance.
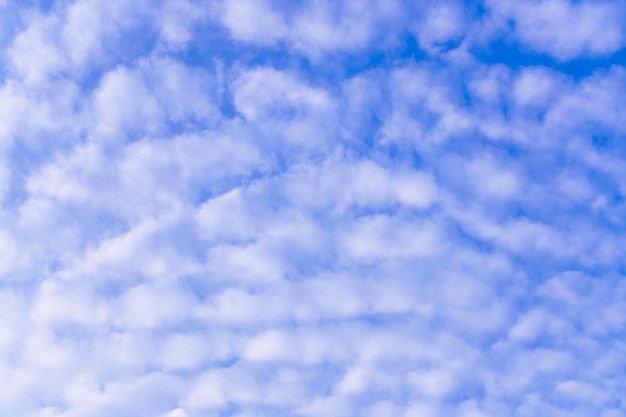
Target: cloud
(177, 21)
(259, 208)
(439, 24)
(289, 113)
(314, 28)
(566, 29)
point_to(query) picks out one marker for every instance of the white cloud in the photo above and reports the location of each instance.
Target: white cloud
(34, 54)
(289, 113)
(313, 29)
(581, 391)
(433, 384)
(177, 21)
(72, 39)
(254, 21)
(217, 388)
(493, 181)
(592, 101)
(567, 29)
(149, 306)
(260, 208)
(535, 87)
(439, 24)
(124, 105)
(426, 108)
(339, 185)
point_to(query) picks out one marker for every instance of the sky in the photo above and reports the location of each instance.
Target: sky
(266, 208)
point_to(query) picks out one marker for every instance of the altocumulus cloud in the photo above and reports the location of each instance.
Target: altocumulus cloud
(270, 208)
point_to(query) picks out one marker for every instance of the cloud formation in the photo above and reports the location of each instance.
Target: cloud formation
(253, 208)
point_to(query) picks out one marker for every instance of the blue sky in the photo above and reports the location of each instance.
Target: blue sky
(310, 208)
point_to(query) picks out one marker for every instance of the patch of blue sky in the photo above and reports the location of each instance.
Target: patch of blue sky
(516, 56)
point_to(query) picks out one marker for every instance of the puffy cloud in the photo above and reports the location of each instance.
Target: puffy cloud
(567, 29)
(178, 20)
(313, 28)
(258, 208)
(440, 25)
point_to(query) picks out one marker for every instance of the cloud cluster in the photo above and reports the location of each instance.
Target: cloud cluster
(253, 208)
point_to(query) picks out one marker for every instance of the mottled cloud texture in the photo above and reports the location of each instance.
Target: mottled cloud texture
(253, 208)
